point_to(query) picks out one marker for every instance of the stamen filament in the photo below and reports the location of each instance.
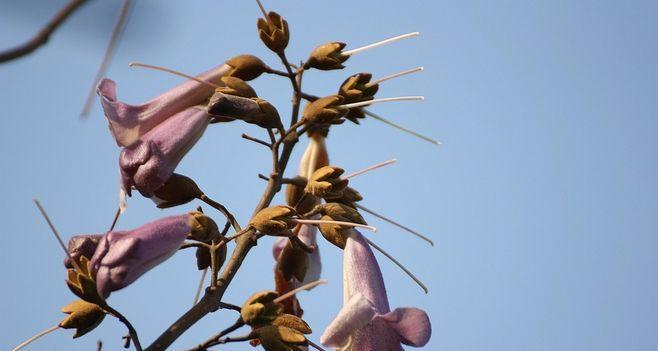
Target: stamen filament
(322, 221)
(57, 236)
(423, 237)
(168, 70)
(371, 168)
(406, 130)
(307, 286)
(117, 32)
(397, 263)
(262, 9)
(35, 337)
(395, 75)
(200, 286)
(370, 102)
(116, 219)
(380, 43)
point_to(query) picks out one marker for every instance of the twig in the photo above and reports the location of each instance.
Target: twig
(214, 340)
(131, 330)
(219, 207)
(43, 35)
(256, 140)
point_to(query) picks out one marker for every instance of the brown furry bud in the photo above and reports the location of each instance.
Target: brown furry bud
(260, 308)
(334, 233)
(236, 86)
(324, 111)
(274, 220)
(204, 229)
(274, 32)
(327, 57)
(247, 67)
(280, 338)
(356, 89)
(178, 190)
(326, 182)
(82, 316)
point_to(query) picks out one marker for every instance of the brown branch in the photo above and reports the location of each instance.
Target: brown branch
(43, 35)
(214, 340)
(256, 140)
(131, 330)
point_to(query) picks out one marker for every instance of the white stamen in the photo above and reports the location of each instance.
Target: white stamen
(379, 43)
(168, 70)
(411, 275)
(417, 135)
(200, 286)
(37, 336)
(370, 102)
(262, 9)
(307, 286)
(396, 224)
(117, 32)
(395, 75)
(368, 169)
(123, 200)
(57, 236)
(348, 224)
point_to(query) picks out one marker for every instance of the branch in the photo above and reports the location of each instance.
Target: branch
(43, 35)
(131, 330)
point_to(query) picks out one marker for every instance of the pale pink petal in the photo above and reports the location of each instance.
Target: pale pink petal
(355, 314)
(412, 325)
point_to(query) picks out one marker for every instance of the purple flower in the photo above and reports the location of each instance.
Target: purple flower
(81, 245)
(150, 161)
(129, 122)
(366, 323)
(123, 256)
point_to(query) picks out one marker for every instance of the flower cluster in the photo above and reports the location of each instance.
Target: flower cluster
(155, 136)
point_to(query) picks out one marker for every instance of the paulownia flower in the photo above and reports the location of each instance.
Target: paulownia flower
(123, 256)
(150, 161)
(129, 122)
(366, 322)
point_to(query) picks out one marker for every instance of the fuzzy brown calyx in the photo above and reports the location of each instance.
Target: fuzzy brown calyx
(324, 110)
(82, 316)
(280, 338)
(274, 32)
(247, 67)
(82, 282)
(178, 190)
(334, 233)
(261, 308)
(203, 228)
(356, 89)
(274, 220)
(326, 182)
(349, 197)
(327, 57)
(236, 86)
(295, 192)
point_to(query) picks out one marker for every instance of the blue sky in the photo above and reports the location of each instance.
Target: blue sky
(543, 200)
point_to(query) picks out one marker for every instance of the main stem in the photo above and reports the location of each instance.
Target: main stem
(210, 301)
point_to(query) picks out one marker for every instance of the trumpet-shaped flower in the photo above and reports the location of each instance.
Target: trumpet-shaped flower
(366, 323)
(129, 122)
(150, 161)
(123, 256)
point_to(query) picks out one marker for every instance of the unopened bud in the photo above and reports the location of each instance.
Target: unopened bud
(247, 67)
(334, 233)
(236, 86)
(356, 89)
(279, 338)
(268, 117)
(295, 192)
(178, 190)
(204, 229)
(349, 197)
(324, 110)
(274, 220)
(274, 32)
(327, 57)
(326, 182)
(251, 110)
(260, 308)
(82, 316)
(292, 322)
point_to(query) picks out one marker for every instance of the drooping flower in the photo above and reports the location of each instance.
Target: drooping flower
(129, 122)
(150, 161)
(123, 256)
(366, 322)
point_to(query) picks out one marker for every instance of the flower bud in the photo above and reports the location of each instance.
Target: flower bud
(203, 228)
(279, 338)
(294, 193)
(327, 57)
(274, 220)
(177, 190)
(260, 308)
(274, 32)
(269, 116)
(356, 89)
(246, 67)
(349, 197)
(324, 111)
(251, 110)
(82, 316)
(292, 322)
(334, 233)
(236, 86)
(326, 182)
(293, 262)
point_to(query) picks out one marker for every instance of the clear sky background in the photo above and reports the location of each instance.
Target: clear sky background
(543, 200)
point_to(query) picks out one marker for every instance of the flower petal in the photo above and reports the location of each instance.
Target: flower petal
(356, 313)
(412, 325)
